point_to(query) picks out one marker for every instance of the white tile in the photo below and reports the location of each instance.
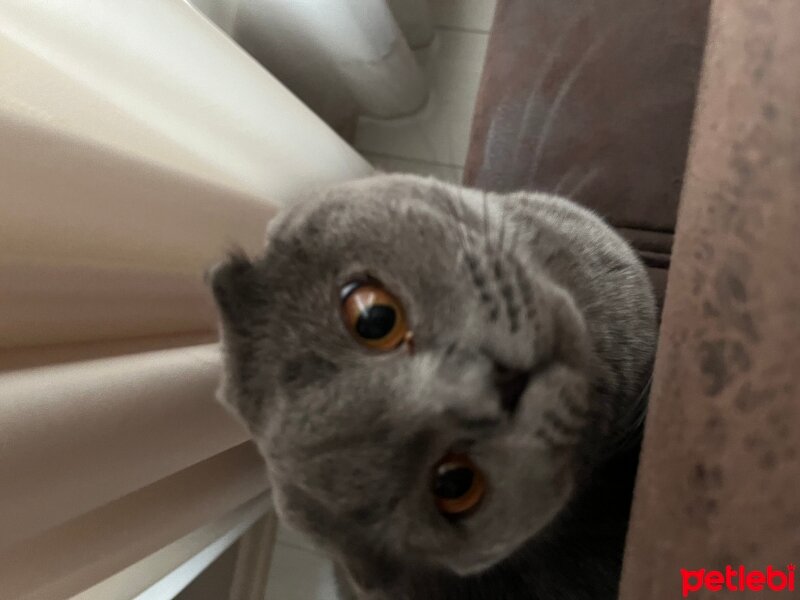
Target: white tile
(440, 132)
(464, 47)
(457, 62)
(297, 574)
(391, 164)
(464, 14)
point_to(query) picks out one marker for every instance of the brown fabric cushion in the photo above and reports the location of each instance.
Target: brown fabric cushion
(719, 480)
(594, 100)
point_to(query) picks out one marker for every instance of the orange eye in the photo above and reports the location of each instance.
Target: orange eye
(373, 316)
(458, 485)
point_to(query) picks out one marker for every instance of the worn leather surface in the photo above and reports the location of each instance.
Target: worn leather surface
(593, 99)
(719, 481)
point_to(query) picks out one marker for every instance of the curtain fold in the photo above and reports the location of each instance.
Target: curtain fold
(146, 579)
(138, 144)
(78, 435)
(69, 558)
(47, 304)
(156, 80)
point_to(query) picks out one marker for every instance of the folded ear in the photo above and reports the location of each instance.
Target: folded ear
(238, 295)
(233, 285)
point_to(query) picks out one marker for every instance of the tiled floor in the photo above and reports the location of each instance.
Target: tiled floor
(432, 142)
(299, 571)
(435, 140)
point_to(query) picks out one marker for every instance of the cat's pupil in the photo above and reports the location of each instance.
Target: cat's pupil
(376, 322)
(453, 483)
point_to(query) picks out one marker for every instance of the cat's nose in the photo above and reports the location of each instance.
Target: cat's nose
(510, 383)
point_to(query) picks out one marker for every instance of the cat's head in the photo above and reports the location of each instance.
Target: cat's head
(416, 383)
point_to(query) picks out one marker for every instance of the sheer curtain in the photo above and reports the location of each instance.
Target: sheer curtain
(137, 144)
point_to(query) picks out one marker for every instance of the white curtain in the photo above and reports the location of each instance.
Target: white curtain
(137, 144)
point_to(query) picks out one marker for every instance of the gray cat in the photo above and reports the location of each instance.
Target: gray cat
(447, 386)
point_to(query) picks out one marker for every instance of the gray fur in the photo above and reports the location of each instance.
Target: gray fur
(530, 281)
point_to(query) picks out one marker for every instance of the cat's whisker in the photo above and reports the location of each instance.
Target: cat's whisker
(487, 245)
(547, 66)
(587, 178)
(567, 176)
(458, 223)
(513, 245)
(494, 252)
(563, 91)
(501, 235)
(633, 421)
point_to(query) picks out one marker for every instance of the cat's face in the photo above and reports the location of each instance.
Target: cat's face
(471, 353)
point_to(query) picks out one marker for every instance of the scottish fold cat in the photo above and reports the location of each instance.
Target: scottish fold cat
(447, 386)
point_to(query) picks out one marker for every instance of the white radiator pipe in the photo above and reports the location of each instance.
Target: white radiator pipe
(323, 48)
(415, 21)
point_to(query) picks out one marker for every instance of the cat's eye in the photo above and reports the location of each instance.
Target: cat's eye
(458, 485)
(373, 316)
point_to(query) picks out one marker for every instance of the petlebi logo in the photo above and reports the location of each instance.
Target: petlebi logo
(739, 579)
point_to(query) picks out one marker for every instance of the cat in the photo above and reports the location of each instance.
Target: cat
(447, 386)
